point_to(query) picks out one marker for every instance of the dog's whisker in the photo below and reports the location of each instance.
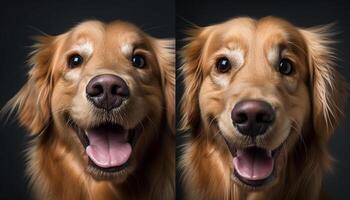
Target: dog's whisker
(210, 124)
(217, 133)
(188, 21)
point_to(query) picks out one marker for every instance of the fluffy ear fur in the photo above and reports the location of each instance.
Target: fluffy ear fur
(193, 77)
(327, 85)
(32, 102)
(165, 53)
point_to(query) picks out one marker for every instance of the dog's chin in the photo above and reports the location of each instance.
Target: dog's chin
(108, 149)
(254, 167)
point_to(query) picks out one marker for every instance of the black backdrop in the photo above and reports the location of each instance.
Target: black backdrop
(301, 13)
(21, 20)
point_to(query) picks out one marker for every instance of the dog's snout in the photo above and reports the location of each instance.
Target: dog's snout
(252, 117)
(107, 91)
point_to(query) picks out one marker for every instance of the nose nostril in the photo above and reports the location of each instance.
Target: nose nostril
(95, 90)
(114, 90)
(241, 118)
(264, 118)
(119, 90)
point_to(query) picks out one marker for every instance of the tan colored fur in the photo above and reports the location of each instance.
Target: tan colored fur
(309, 106)
(57, 163)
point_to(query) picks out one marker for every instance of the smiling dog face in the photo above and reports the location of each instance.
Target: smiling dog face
(254, 89)
(102, 90)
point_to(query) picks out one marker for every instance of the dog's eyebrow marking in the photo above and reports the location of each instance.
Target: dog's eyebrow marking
(236, 55)
(126, 49)
(84, 48)
(273, 55)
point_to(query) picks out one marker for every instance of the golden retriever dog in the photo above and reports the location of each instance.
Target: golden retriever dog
(261, 100)
(99, 104)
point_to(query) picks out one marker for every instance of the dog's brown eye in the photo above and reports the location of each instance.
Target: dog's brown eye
(223, 65)
(75, 60)
(138, 61)
(285, 67)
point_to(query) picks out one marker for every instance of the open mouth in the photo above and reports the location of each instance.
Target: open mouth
(254, 166)
(108, 146)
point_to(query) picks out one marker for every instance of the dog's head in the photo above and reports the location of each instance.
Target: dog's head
(260, 86)
(104, 91)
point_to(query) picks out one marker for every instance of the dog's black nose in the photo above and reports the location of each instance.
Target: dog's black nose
(252, 117)
(107, 91)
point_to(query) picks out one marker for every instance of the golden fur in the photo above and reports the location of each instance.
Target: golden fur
(57, 163)
(309, 106)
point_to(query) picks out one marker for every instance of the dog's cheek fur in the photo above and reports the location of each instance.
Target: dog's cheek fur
(62, 97)
(203, 159)
(211, 102)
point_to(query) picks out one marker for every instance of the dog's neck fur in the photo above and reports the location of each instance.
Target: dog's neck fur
(208, 178)
(54, 174)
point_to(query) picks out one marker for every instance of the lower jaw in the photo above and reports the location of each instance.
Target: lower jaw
(118, 173)
(253, 184)
(109, 169)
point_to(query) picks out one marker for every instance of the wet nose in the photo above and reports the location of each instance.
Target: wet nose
(107, 91)
(252, 117)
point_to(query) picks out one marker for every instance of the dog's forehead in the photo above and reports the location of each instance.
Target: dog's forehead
(247, 32)
(124, 31)
(90, 36)
(236, 29)
(88, 29)
(124, 36)
(273, 29)
(96, 31)
(276, 35)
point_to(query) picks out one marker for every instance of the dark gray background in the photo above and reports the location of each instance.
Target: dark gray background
(301, 13)
(18, 22)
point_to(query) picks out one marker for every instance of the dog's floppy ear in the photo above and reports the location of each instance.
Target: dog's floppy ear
(32, 102)
(165, 53)
(192, 77)
(327, 85)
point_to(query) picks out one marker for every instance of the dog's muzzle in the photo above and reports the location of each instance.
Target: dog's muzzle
(252, 117)
(107, 91)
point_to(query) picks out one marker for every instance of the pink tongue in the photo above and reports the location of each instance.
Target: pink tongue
(108, 146)
(253, 164)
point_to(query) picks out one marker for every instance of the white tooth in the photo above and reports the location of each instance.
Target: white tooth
(269, 153)
(239, 152)
(86, 133)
